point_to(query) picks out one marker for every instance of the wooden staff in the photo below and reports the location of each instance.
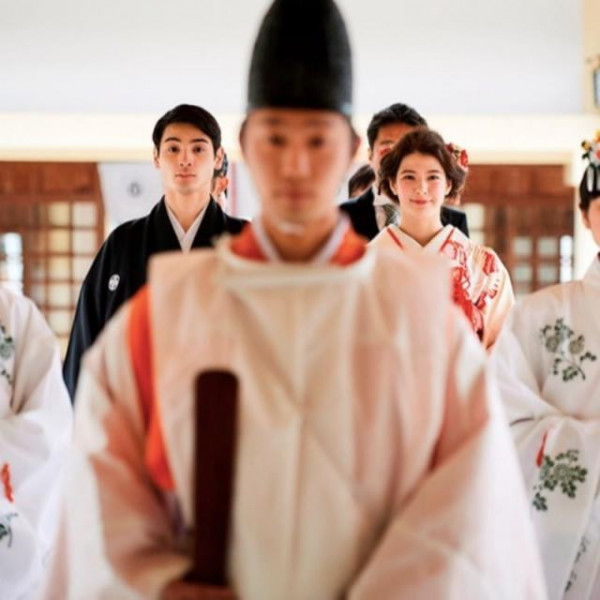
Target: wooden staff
(216, 430)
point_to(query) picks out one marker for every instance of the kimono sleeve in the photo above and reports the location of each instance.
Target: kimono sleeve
(89, 318)
(499, 307)
(519, 370)
(549, 442)
(35, 431)
(124, 523)
(464, 531)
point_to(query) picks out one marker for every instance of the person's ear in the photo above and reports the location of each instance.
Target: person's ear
(448, 188)
(356, 141)
(155, 158)
(220, 153)
(393, 187)
(242, 137)
(585, 218)
(220, 185)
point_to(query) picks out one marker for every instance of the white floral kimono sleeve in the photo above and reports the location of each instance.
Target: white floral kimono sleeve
(544, 368)
(35, 430)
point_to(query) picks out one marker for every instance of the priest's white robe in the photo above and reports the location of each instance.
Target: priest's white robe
(548, 366)
(481, 284)
(35, 432)
(373, 460)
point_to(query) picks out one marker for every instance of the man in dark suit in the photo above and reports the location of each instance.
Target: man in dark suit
(372, 211)
(187, 152)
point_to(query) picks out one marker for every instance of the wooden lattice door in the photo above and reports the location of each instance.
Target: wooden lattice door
(51, 226)
(525, 213)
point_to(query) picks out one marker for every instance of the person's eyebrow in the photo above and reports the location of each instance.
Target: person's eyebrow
(270, 120)
(318, 121)
(432, 170)
(194, 141)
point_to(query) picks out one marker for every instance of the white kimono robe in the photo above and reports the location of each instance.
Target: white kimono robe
(35, 431)
(548, 365)
(482, 287)
(372, 459)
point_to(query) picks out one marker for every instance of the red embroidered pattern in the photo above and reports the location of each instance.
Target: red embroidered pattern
(460, 296)
(540, 455)
(461, 281)
(6, 484)
(490, 264)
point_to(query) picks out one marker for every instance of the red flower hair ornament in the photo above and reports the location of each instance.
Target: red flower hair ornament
(591, 150)
(460, 156)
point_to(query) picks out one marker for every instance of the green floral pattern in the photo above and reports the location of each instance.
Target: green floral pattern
(583, 548)
(7, 349)
(568, 349)
(563, 472)
(5, 527)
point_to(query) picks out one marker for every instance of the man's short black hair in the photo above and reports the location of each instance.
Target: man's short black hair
(362, 179)
(192, 115)
(395, 113)
(589, 187)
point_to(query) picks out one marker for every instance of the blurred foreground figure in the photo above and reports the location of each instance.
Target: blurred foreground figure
(548, 363)
(371, 460)
(35, 431)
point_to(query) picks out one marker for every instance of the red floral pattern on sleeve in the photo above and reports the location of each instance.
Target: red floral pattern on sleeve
(490, 264)
(473, 302)
(461, 298)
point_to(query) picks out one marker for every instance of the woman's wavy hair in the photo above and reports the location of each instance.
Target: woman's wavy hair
(421, 141)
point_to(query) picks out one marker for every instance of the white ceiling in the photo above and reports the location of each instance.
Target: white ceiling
(444, 56)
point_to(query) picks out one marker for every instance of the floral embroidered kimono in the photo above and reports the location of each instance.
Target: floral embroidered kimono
(548, 365)
(372, 459)
(481, 285)
(35, 431)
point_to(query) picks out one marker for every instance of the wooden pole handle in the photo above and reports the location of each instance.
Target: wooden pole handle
(215, 447)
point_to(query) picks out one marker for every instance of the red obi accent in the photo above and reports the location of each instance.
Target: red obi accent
(6, 484)
(540, 455)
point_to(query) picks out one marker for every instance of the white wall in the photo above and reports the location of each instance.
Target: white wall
(443, 56)
(86, 80)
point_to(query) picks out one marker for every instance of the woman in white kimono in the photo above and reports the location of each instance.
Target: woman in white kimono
(421, 172)
(35, 431)
(548, 366)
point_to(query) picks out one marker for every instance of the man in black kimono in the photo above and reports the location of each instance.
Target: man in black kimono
(187, 151)
(371, 211)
